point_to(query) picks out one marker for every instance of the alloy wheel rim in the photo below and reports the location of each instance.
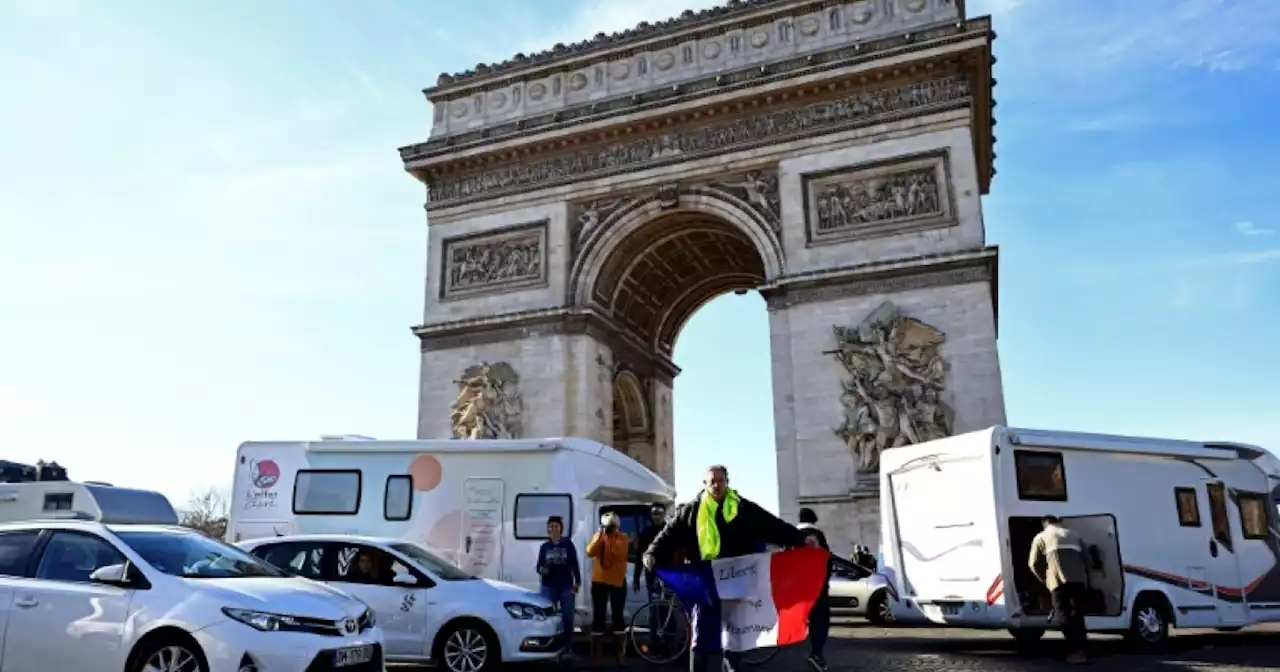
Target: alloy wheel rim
(466, 651)
(172, 659)
(1150, 624)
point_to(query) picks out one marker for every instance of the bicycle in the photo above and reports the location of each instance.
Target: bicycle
(665, 614)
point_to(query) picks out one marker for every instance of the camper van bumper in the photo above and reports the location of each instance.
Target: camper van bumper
(226, 646)
(952, 613)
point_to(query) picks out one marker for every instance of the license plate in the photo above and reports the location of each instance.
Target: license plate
(355, 655)
(949, 609)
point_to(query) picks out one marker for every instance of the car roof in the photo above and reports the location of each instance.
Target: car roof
(349, 538)
(88, 525)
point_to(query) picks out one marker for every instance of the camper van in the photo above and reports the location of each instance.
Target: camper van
(1179, 534)
(68, 500)
(482, 505)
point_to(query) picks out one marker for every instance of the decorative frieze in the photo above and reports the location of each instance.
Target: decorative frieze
(493, 261)
(881, 199)
(682, 145)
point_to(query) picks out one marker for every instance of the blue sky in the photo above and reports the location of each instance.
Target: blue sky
(206, 236)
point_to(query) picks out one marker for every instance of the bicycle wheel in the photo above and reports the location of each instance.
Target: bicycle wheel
(660, 632)
(758, 657)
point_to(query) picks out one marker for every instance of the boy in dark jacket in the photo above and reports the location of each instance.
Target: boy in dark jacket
(820, 615)
(719, 523)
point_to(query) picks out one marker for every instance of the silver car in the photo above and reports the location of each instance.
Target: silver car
(858, 591)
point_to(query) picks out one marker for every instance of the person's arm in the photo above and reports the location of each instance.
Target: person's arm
(668, 538)
(770, 529)
(642, 544)
(574, 567)
(1037, 559)
(595, 546)
(542, 558)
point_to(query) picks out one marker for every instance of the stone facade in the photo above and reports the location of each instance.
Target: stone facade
(830, 155)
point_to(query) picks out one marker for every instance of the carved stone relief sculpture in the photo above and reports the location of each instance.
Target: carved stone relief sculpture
(488, 404)
(879, 200)
(508, 259)
(893, 396)
(759, 188)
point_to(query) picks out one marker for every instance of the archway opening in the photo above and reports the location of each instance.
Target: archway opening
(649, 286)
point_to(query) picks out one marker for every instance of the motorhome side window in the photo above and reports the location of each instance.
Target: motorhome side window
(397, 500)
(1188, 507)
(58, 501)
(1218, 515)
(1253, 515)
(532, 511)
(327, 492)
(1041, 476)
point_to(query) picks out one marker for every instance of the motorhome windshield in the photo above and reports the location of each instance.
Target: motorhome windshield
(437, 565)
(195, 556)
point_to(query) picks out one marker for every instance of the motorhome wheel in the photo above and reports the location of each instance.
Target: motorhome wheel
(1149, 627)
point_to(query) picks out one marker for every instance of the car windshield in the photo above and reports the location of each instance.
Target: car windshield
(194, 556)
(437, 565)
(849, 570)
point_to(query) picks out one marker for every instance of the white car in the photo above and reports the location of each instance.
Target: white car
(84, 596)
(429, 610)
(858, 591)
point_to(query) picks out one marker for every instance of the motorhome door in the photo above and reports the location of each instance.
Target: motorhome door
(1222, 545)
(480, 548)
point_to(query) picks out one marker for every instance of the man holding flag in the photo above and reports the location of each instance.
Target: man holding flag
(739, 595)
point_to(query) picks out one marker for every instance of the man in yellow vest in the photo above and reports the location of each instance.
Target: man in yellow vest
(718, 523)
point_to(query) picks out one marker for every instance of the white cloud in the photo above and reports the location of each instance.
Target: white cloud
(1250, 229)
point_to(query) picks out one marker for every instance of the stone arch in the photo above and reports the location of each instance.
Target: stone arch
(708, 242)
(631, 416)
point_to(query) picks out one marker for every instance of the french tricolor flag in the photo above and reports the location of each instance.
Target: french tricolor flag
(764, 598)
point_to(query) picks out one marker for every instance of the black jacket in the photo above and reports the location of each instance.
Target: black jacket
(643, 541)
(749, 532)
(813, 531)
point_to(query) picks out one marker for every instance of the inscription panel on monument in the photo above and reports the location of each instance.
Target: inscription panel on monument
(880, 199)
(494, 261)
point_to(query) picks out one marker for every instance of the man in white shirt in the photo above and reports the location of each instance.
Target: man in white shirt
(1058, 561)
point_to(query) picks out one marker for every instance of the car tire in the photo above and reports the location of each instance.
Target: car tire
(1149, 626)
(467, 646)
(878, 611)
(168, 653)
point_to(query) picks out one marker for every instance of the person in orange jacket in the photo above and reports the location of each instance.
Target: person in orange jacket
(608, 551)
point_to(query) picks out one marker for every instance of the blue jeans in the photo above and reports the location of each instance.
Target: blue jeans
(563, 599)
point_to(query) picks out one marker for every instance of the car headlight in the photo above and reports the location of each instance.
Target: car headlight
(368, 619)
(524, 612)
(261, 620)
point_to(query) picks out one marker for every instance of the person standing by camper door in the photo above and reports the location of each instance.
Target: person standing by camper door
(657, 520)
(820, 615)
(718, 523)
(608, 549)
(1058, 561)
(558, 566)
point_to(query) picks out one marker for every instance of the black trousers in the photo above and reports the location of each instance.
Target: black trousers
(1068, 602)
(611, 599)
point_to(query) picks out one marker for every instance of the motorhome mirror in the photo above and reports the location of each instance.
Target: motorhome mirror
(112, 575)
(405, 580)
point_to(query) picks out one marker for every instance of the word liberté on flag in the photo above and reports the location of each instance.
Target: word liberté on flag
(765, 598)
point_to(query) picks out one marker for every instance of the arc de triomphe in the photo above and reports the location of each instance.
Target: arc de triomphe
(583, 202)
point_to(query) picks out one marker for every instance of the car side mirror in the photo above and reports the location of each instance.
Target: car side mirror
(112, 575)
(405, 580)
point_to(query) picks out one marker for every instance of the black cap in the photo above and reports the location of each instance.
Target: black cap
(808, 516)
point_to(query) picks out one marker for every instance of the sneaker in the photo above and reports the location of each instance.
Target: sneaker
(817, 663)
(1077, 658)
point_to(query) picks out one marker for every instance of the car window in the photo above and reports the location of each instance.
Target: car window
(194, 556)
(15, 551)
(303, 559)
(437, 565)
(73, 556)
(848, 570)
(357, 563)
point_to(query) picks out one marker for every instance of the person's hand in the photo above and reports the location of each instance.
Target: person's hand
(811, 542)
(635, 586)
(575, 589)
(544, 570)
(649, 561)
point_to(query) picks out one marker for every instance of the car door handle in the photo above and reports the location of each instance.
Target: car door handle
(26, 602)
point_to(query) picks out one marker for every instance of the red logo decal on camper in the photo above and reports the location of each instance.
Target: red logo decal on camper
(264, 473)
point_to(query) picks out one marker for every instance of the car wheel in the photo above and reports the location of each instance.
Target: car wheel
(468, 647)
(1149, 627)
(169, 654)
(878, 610)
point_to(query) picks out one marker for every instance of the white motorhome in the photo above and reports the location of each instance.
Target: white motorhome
(480, 504)
(1180, 533)
(69, 500)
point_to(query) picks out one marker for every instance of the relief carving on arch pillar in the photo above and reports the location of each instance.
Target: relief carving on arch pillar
(893, 396)
(885, 198)
(488, 404)
(759, 189)
(506, 259)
